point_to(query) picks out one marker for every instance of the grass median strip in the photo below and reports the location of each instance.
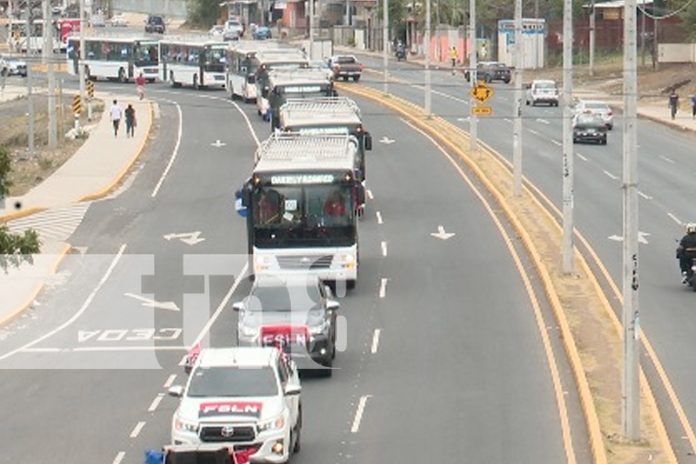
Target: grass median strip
(591, 342)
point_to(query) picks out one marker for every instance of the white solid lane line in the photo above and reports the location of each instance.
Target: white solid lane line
(609, 174)
(375, 341)
(175, 153)
(170, 381)
(119, 457)
(155, 402)
(359, 413)
(384, 248)
(79, 312)
(383, 288)
(379, 217)
(136, 430)
(674, 218)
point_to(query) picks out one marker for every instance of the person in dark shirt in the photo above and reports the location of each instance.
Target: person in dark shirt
(130, 121)
(686, 251)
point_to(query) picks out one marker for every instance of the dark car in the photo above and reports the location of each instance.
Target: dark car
(296, 314)
(262, 33)
(589, 128)
(154, 24)
(489, 71)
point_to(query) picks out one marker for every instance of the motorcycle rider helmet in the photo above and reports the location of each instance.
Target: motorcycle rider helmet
(691, 228)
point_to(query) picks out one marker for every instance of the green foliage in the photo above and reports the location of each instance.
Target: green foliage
(204, 13)
(689, 18)
(17, 248)
(5, 169)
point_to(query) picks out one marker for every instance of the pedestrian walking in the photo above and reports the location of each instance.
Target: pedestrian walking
(130, 121)
(116, 114)
(454, 57)
(693, 106)
(140, 86)
(673, 103)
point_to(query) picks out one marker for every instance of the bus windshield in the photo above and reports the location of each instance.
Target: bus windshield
(304, 215)
(215, 59)
(146, 54)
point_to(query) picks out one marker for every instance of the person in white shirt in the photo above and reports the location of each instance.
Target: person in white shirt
(116, 114)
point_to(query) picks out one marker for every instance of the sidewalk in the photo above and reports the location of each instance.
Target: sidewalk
(91, 173)
(655, 110)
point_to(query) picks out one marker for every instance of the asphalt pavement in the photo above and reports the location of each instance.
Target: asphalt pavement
(666, 168)
(435, 353)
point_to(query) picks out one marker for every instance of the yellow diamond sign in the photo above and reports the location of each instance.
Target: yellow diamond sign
(481, 92)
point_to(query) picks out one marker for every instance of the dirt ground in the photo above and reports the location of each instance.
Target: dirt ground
(29, 170)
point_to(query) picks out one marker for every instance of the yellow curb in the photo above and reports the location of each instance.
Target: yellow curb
(21, 213)
(35, 293)
(591, 418)
(119, 177)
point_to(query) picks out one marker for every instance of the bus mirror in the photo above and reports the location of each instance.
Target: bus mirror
(368, 141)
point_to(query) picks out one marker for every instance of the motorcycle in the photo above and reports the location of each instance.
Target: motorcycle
(400, 54)
(690, 278)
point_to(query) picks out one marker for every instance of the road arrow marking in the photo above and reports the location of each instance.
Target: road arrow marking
(387, 140)
(641, 237)
(218, 144)
(147, 302)
(190, 238)
(441, 234)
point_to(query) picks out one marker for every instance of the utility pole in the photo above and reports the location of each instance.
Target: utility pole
(81, 65)
(473, 120)
(536, 8)
(426, 48)
(517, 127)
(48, 58)
(655, 34)
(642, 34)
(592, 36)
(311, 29)
(568, 173)
(10, 31)
(385, 44)
(631, 392)
(30, 96)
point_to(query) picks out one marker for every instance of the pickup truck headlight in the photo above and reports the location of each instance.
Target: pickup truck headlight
(274, 424)
(185, 426)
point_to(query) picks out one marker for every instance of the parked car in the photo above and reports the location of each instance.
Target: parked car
(599, 108)
(542, 91)
(119, 20)
(154, 24)
(346, 67)
(14, 65)
(262, 33)
(216, 32)
(233, 30)
(489, 71)
(589, 127)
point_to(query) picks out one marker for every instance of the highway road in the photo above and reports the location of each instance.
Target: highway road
(666, 167)
(443, 354)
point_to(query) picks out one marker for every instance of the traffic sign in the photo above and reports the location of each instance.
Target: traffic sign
(482, 110)
(481, 92)
(76, 105)
(90, 89)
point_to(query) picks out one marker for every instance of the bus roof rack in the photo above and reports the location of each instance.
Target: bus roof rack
(323, 105)
(300, 148)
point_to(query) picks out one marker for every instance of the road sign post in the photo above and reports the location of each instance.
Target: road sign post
(77, 109)
(90, 96)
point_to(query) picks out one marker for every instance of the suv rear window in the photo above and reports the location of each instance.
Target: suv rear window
(155, 20)
(345, 60)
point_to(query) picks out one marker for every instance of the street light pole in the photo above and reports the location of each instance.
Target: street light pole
(81, 66)
(631, 392)
(592, 36)
(517, 127)
(311, 29)
(568, 173)
(473, 120)
(427, 59)
(385, 44)
(48, 59)
(30, 72)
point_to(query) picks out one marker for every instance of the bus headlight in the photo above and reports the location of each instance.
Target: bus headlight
(347, 261)
(262, 263)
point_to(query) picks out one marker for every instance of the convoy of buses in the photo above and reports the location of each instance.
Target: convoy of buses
(304, 198)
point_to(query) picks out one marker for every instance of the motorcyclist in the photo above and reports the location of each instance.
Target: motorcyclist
(400, 50)
(686, 251)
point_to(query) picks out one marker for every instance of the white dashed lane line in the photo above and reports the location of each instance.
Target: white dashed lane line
(582, 157)
(370, 195)
(674, 218)
(612, 176)
(384, 248)
(375, 341)
(668, 160)
(643, 195)
(543, 121)
(379, 217)
(556, 142)
(119, 457)
(359, 413)
(383, 288)
(534, 132)
(136, 430)
(170, 381)
(155, 403)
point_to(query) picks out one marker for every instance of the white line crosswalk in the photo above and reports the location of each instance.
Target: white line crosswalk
(54, 224)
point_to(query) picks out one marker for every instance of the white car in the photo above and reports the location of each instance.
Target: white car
(119, 20)
(13, 66)
(542, 91)
(233, 30)
(216, 32)
(324, 66)
(248, 397)
(597, 107)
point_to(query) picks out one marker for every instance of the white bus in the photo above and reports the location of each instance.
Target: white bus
(268, 60)
(18, 36)
(198, 63)
(242, 67)
(120, 58)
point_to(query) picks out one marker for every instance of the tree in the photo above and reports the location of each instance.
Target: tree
(203, 13)
(14, 248)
